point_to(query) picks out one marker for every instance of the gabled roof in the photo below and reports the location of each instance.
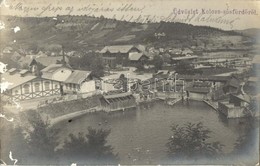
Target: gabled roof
(78, 76)
(117, 49)
(16, 79)
(50, 60)
(243, 97)
(233, 82)
(135, 56)
(52, 68)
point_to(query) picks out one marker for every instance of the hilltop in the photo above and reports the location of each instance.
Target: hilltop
(85, 32)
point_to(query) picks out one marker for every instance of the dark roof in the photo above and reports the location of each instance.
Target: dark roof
(198, 89)
(118, 95)
(233, 82)
(204, 78)
(201, 84)
(243, 97)
(50, 60)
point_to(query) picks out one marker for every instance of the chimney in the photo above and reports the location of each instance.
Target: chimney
(24, 72)
(63, 55)
(12, 71)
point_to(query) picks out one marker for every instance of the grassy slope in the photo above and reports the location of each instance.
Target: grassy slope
(89, 32)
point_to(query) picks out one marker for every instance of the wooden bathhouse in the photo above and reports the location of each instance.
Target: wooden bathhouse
(116, 102)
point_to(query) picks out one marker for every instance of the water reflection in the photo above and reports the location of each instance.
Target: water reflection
(139, 136)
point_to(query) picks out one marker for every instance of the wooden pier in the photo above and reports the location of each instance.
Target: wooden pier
(212, 105)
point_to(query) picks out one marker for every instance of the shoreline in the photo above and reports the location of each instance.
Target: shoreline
(59, 119)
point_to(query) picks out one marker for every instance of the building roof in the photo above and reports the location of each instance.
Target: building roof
(243, 97)
(46, 61)
(201, 84)
(16, 79)
(121, 48)
(187, 51)
(256, 59)
(198, 89)
(52, 68)
(25, 61)
(78, 76)
(163, 72)
(234, 83)
(117, 49)
(135, 56)
(12, 70)
(24, 71)
(118, 95)
(204, 78)
(184, 58)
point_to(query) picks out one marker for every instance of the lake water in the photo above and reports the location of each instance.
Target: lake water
(139, 136)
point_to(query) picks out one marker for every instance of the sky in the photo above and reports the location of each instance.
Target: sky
(224, 14)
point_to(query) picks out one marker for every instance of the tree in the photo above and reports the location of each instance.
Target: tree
(97, 66)
(157, 62)
(246, 143)
(91, 149)
(184, 68)
(191, 142)
(42, 139)
(91, 61)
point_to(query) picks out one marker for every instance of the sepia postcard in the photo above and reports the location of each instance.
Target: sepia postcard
(129, 82)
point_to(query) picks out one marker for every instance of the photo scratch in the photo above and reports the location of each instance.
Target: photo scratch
(3, 116)
(12, 159)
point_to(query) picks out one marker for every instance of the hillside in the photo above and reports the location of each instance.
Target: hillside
(252, 32)
(77, 32)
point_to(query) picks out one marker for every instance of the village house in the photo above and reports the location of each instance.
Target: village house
(199, 91)
(40, 61)
(236, 107)
(136, 59)
(232, 86)
(46, 61)
(81, 82)
(72, 81)
(24, 85)
(217, 81)
(119, 54)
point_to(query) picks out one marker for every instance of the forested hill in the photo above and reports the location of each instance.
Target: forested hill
(77, 32)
